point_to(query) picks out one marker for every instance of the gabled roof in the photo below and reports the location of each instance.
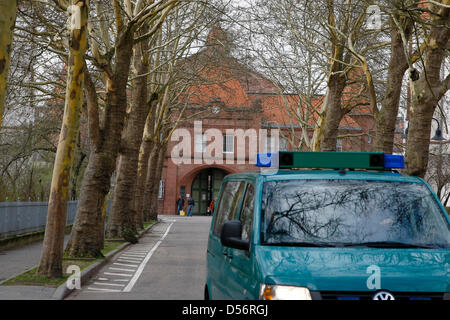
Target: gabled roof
(230, 82)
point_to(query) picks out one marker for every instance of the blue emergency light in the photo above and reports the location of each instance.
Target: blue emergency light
(330, 160)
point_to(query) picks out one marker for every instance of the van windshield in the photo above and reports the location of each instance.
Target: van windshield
(352, 213)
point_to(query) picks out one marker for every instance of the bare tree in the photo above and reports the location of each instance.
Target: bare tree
(53, 246)
(154, 72)
(8, 11)
(438, 173)
(430, 86)
(113, 58)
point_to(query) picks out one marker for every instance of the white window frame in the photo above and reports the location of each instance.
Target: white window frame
(339, 144)
(161, 190)
(228, 140)
(197, 142)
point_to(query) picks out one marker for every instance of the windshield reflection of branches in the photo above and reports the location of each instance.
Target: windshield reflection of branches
(351, 211)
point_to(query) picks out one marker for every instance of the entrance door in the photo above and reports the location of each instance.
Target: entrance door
(205, 187)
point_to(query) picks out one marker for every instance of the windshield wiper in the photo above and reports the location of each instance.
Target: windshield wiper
(301, 244)
(390, 244)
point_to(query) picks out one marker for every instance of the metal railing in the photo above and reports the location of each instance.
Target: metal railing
(24, 217)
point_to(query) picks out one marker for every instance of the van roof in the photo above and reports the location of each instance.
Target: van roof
(325, 174)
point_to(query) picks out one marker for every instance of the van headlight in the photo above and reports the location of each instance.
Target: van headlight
(276, 292)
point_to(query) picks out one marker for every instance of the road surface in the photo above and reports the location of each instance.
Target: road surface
(168, 263)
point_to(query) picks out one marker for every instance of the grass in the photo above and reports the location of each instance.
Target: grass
(30, 278)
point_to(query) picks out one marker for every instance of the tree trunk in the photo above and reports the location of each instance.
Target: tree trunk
(150, 182)
(123, 213)
(144, 155)
(8, 11)
(154, 199)
(53, 245)
(87, 234)
(426, 93)
(86, 238)
(418, 143)
(334, 112)
(387, 117)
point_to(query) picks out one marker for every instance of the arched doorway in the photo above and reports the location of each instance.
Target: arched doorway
(205, 187)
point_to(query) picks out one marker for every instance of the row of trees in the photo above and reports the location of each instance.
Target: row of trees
(114, 74)
(119, 60)
(325, 47)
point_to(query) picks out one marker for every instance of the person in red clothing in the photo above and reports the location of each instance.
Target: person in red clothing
(211, 208)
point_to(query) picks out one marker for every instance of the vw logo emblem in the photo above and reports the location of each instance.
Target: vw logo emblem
(383, 295)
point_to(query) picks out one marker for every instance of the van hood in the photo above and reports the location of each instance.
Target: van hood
(349, 269)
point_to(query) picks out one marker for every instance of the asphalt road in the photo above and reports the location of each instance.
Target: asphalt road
(168, 263)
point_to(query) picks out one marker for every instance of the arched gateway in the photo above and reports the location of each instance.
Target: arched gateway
(205, 188)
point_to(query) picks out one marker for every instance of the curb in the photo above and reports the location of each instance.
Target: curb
(62, 291)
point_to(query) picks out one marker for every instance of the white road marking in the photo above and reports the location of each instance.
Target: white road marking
(130, 258)
(126, 265)
(102, 279)
(142, 265)
(131, 255)
(109, 284)
(120, 280)
(121, 269)
(118, 274)
(124, 260)
(101, 289)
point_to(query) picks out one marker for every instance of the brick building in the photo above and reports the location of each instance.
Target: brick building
(230, 98)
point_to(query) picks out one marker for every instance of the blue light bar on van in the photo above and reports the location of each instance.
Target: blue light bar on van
(394, 161)
(330, 160)
(264, 160)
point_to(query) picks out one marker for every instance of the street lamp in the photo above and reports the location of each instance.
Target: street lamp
(437, 135)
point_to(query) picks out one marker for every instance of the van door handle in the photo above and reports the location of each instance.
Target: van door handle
(226, 254)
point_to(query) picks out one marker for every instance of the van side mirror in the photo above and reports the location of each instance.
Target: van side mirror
(231, 236)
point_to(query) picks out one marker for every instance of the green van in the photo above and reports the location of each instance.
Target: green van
(355, 230)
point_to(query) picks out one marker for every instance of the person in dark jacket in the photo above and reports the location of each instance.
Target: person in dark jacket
(180, 204)
(191, 204)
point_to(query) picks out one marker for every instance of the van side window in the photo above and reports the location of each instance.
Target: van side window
(229, 204)
(246, 216)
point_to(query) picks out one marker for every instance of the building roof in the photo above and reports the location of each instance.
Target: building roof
(227, 81)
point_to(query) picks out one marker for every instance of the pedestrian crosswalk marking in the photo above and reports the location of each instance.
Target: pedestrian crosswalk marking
(125, 264)
(109, 284)
(124, 260)
(129, 258)
(147, 258)
(135, 258)
(118, 274)
(105, 290)
(121, 269)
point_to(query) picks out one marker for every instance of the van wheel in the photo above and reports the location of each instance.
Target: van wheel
(206, 293)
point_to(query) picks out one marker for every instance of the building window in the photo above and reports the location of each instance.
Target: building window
(369, 139)
(200, 143)
(339, 144)
(161, 190)
(284, 144)
(228, 143)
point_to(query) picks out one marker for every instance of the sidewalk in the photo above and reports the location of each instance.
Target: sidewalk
(16, 261)
(19, 260)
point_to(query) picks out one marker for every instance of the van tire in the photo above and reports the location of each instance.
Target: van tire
(206, 293)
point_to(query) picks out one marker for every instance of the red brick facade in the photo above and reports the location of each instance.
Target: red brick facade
(242, 99)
